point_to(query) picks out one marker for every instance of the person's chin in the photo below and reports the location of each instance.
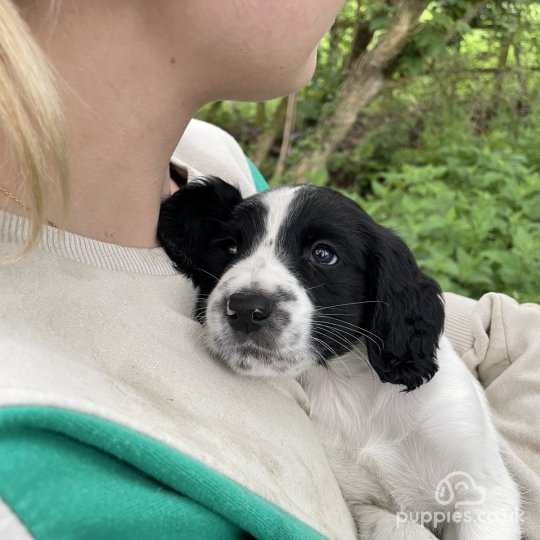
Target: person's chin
(308, 69)
(277, 83)
(301, 76)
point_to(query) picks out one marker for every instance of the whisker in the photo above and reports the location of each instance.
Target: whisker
(326, 363)
(327, 316)
(211, 275)
(345, 342)
(320, 308)
(353, 350)
(338, 314)
(341, 334)
(315, 287)
(325, 344)
(202, 334)
(335, 327)
(339, 329)
(331, 367)
(330, 364)
(318, 353)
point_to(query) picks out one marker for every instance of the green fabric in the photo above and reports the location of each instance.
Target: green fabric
(70, 475)
(258, 178)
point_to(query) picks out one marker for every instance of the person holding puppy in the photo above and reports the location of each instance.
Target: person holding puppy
(114, 422)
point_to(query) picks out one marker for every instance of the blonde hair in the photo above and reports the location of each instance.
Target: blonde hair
(30, 117)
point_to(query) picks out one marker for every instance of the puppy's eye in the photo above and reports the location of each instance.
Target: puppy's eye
(323, 254)
(228, 245)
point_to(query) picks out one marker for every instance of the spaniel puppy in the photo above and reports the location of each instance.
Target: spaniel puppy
(300, 281)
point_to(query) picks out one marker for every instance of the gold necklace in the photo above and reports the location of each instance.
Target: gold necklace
(13, 197)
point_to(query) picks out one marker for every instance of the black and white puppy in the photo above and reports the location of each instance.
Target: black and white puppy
(300, 281)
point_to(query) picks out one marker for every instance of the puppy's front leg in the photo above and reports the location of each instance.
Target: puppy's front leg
(375, 523)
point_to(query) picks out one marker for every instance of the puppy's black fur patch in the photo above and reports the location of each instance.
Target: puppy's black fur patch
(408, 314)
(190, 223)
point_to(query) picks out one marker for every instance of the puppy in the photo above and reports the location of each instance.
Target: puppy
(300, 281)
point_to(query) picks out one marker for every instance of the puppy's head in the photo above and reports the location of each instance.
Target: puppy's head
(296, 276)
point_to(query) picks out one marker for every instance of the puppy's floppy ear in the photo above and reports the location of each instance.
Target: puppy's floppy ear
(408, 314)
(188, 222)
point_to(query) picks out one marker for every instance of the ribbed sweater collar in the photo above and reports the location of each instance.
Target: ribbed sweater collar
(14, 230)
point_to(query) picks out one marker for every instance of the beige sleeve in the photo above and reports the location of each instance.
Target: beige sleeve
(499, 340)
(206, 149)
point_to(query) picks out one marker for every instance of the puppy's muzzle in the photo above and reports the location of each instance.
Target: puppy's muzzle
(248, 312)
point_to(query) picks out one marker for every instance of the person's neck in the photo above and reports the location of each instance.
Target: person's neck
(126, 112)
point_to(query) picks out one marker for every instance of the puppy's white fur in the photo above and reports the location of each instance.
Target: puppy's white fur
(391, 451)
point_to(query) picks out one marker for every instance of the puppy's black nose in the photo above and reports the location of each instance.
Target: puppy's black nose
(248, 312)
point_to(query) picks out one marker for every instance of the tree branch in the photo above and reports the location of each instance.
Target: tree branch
(363, 83)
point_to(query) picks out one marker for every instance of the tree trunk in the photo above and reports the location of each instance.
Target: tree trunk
(361, 86)
(523, 106)
(260, 120)
(287, 132)
(267, 138)
(497, 93)
(361, 39)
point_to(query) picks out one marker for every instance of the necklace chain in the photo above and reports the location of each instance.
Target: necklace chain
(14, 197)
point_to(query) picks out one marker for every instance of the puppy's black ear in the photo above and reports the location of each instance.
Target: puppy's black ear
(190, 220)
(408, 314)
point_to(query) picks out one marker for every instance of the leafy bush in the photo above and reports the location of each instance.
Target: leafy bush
(471, 216)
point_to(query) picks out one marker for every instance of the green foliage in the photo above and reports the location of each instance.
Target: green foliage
(471, 216)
